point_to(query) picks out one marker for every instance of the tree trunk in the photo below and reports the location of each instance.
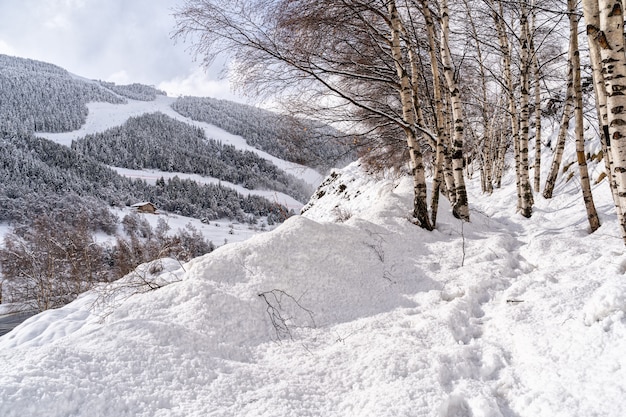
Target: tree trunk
(610, 40)
(420, 205)
(440, 150)
(592, 215)
(592, 18)
(487, 161)
(548, 189)
(537, 79)
(499, 151)
(505, 50)
(460, 208)
(486, 145)
(526, 204)
(448, 175)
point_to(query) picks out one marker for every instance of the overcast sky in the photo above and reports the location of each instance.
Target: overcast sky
(123, 41)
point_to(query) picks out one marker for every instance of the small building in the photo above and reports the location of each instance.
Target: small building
(145, 207)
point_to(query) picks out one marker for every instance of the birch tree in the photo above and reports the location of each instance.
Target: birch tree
(592, 17)
(345, 51)
(505, 50)
(591, 13)
(525, 191)
(592, 215)
(605, 25)
(406, 99)
(537, 88)
(548, 189)
(486, 144)
(442, 139)
(461, 208)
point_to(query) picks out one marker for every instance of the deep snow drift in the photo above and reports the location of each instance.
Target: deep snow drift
(350, 310)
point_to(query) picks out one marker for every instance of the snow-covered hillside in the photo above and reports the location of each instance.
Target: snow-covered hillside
(103, 116)
(351, 310)
(152, 175)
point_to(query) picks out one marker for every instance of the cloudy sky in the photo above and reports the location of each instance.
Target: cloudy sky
(123, 41)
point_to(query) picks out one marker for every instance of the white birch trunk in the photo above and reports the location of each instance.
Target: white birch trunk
(461, 208)
(499, 150)
(485, 146)
(610, 40)
(592, 19)
(537, 79)
(440, 151)
(548, 189)
(505, 50)
(420, 205)
(526, 191)
(592, 215)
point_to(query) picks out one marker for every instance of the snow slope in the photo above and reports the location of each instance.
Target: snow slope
(152, 175)
(103, 116)
(350, 310)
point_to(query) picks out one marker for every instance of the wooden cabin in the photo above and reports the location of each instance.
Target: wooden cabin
(145, 207)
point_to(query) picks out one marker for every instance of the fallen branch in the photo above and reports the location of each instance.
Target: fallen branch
(277, 305)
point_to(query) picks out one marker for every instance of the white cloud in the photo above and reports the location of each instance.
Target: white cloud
(119, 77)
(118, 40)
(58, 21)
(6, 49)
(198, 83)
(122, 41)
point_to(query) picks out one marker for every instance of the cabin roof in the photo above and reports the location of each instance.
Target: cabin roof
(145, 203)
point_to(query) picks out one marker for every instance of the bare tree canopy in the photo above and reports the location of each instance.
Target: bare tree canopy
(441, 87)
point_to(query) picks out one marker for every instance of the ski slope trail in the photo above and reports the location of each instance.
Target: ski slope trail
(151, 176)
(103, 116)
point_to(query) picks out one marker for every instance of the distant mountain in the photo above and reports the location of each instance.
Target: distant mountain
(39, 175)
(40, 97)
(302, 141)
(157, 141)
(134, 91)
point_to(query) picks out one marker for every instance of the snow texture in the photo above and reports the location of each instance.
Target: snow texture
(350, 310)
